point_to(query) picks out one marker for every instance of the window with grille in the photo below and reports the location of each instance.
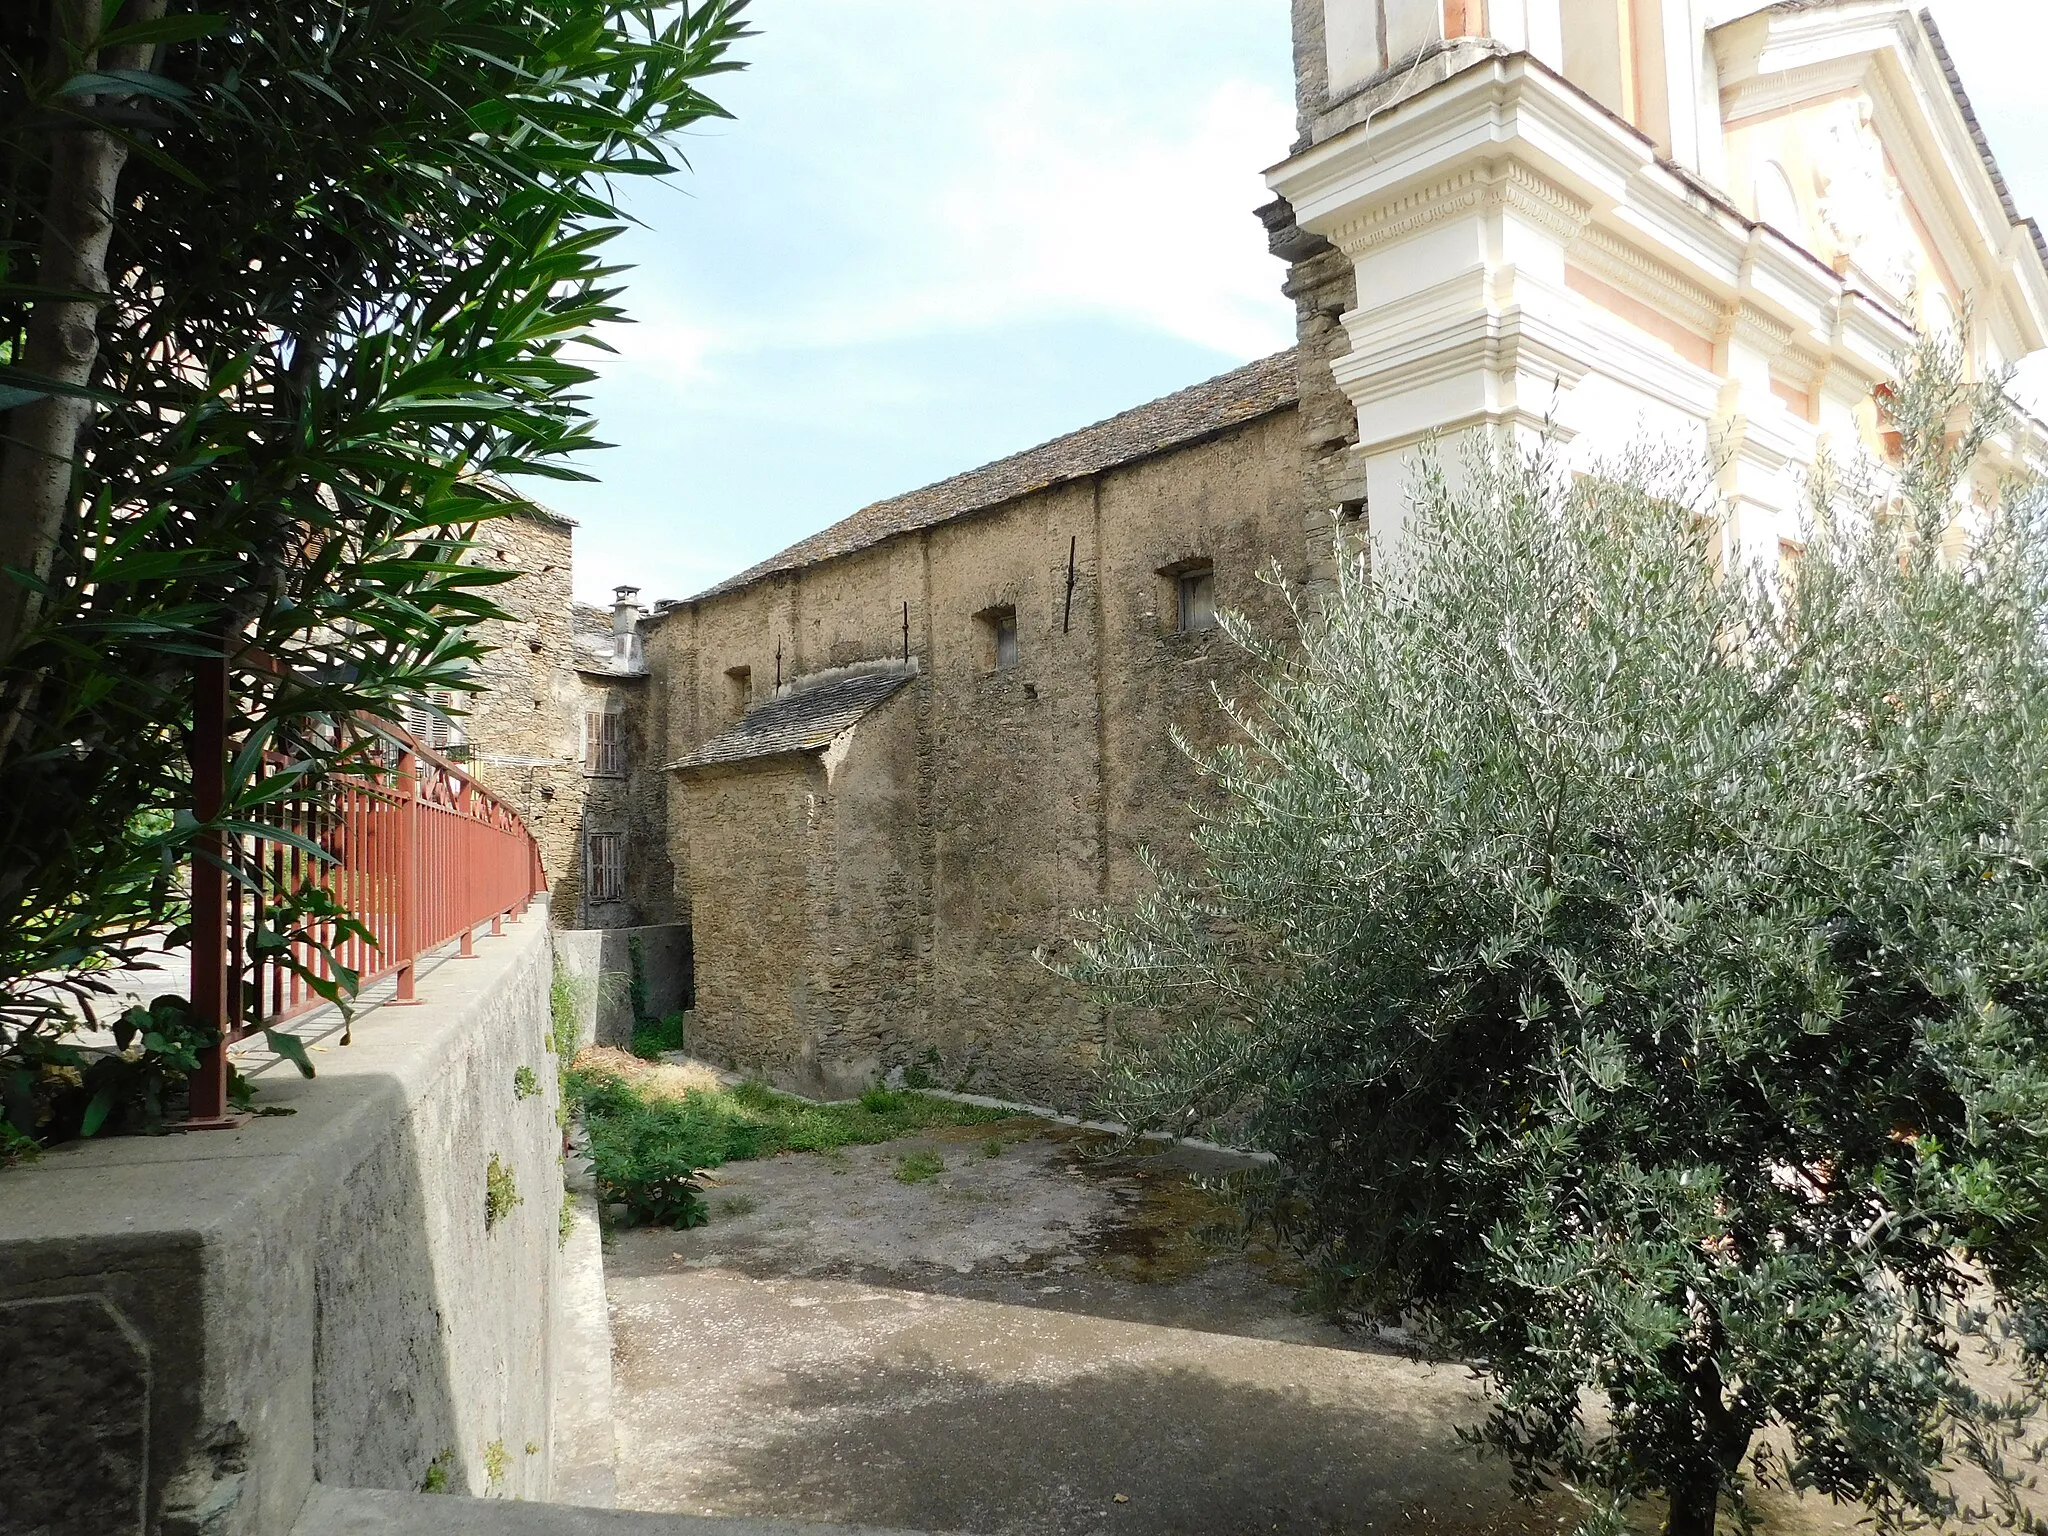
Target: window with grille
(604, 743)
(604, 859)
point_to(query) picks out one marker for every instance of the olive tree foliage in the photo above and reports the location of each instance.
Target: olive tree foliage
(1640, 969)
(291, 296)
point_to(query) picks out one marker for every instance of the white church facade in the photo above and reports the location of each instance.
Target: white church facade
(1701, 220)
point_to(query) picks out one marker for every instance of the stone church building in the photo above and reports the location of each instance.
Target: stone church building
(878, 771)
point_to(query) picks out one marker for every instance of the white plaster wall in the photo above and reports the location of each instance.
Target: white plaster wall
(1351, 33)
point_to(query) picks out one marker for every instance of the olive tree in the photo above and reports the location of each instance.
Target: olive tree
(1638, 961)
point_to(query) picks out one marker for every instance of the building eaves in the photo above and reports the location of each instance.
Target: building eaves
(1977, 135)
(805, 720)
(1242, 395)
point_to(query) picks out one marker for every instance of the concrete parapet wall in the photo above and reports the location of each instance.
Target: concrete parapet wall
(195, 1328)
(599, 965)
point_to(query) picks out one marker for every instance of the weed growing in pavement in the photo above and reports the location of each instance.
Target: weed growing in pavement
(436, 1480)
(738, 1205)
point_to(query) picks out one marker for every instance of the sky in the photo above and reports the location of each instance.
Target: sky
(940, 231)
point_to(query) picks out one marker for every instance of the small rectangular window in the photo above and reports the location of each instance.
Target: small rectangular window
(604, 859)
(604, 743)
(1197, 600)
(999, 638)
(739, 691)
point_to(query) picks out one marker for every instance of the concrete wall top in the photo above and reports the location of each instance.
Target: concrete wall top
(194, 1328)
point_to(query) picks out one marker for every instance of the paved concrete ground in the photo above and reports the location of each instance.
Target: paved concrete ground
(1040, 1341)
(1035, 1341)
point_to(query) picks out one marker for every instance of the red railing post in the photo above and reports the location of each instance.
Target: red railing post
(408, 874)
(208, 1087)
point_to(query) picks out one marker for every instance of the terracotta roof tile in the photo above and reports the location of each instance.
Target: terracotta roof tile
(1977, 135)
(1243, 395)
(807, 719)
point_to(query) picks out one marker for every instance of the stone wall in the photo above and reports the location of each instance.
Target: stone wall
(884, 909)
(599, 963)
(195, 1328)
(525, 727)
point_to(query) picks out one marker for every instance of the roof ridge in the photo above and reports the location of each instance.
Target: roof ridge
(1175, 420)
(797, 721)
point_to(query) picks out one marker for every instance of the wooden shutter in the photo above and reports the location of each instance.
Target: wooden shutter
(593, 730)
(605, 858)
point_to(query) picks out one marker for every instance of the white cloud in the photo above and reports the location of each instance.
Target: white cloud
(941, 168)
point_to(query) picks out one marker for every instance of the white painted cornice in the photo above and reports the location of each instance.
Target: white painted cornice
(1779, 59)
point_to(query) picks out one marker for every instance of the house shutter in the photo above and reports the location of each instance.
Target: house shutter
(605, 859)
(593, 732)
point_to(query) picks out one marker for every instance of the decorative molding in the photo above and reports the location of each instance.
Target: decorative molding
(1542, 202)
(1947, 238)
(1798, 369)
(1406, 215)
(1764, 95)
(1641, 276)
(1758, 332)
(1512, 187)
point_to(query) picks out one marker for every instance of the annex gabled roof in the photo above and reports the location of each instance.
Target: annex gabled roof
(1242, 395)
(806, 720)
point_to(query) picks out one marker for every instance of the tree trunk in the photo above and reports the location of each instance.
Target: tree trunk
(1693, 1510)
(62, 339)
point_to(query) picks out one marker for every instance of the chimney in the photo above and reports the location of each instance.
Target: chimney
(626, 628)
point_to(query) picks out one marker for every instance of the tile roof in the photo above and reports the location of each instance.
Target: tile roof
(806, 719)
(1977, 135)
(1243, 395)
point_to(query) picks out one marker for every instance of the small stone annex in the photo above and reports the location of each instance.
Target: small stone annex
(876, 773)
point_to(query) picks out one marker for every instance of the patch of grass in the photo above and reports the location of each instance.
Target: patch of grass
(501, 1192)
(919, 1167)
(738, 1205)
(713, 1127)
(524, 1084)
(993, 1147)
(495, 1462)
(646, 1150)
(567, 1222)
(652, 1039)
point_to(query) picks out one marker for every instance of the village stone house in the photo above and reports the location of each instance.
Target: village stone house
(878, 772)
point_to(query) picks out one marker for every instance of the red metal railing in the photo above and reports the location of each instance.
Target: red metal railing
(412, 853)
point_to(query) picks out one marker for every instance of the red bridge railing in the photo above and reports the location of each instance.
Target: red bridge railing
(412, 853)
